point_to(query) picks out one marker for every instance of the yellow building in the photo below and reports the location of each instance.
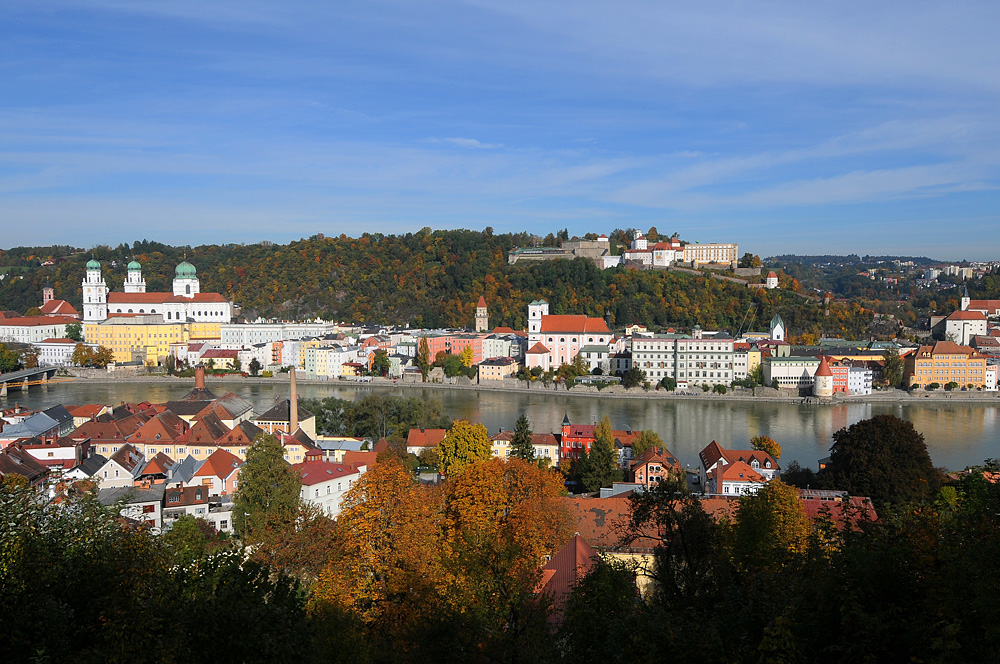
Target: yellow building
(204, 331)
(146, 337)
(306, 345)
(945, 362)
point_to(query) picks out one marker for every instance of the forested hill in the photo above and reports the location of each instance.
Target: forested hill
(426, 279)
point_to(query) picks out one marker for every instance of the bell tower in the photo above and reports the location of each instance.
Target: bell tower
(95, 294)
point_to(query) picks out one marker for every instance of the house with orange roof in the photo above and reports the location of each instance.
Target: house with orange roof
(419, 440)
(654, 466)
(34, 329)
(714, 456)
(218, 473)
(734, 479)
(86, 412)
(108, 436)
(164, 433)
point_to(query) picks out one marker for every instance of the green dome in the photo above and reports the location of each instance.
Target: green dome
(134, 265)
(185, 271)
(93, 265)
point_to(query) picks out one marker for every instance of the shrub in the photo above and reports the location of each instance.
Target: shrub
(933, 386)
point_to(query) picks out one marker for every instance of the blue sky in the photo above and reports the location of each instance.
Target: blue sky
(804, 127)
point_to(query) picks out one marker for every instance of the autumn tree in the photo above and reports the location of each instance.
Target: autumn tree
(464, 445)
(500, 519)
(646, 440)
(423, 358)
(770, 528)
(103, 357)
(750, 260)
(268, 491)
(883, 458)
(380, 363)
(766, 444)
(466, 356)
(521, 445)
(83, 355)
(600, 465)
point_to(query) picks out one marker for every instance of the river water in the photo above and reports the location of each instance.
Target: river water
(957, 434)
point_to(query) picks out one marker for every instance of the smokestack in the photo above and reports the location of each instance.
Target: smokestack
(293, 406)
(199, 377)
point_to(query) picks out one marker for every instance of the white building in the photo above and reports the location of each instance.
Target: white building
(185, 303)
(57, 352)
(247, 334)
(34, 329)
(711, 253)
(962, 326)
(696, 360)
(562, 336)
(860, 380)
(790, 373)
(324, 483)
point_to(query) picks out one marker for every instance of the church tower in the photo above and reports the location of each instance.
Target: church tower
(95, 294)
(48, 294)
(134, 283)
(185, 280)
(777, 328)
(536, 310)
(965, 298)
(482, 316)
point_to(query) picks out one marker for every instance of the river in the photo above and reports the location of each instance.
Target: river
(957, 434)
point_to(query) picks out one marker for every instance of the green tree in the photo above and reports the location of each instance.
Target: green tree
(268, 490)
(766, 444)
(10, 360)
(883, 458)
(634, 377)
(254, 367)
(189, 539)
(423, 358)
(74, 331)
(521, 444)
(750, 260)
(236, 364)
(464, 445)
(601, 466)
(668, 383)
(757, 374)
(892, 371)
(380, 363)
(770, 528)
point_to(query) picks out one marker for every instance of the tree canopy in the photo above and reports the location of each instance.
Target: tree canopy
(521, 443)
(465, 444)
(268, 490)
(884, 458)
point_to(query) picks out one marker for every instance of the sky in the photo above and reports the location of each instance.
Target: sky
(789, 127)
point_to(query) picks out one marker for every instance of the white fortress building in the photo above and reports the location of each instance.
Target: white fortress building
(185, 304)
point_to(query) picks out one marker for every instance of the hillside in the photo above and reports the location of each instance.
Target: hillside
(425, 279)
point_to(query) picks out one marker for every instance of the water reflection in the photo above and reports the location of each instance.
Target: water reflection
(956, 434)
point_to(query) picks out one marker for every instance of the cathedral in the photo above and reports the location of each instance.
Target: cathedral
(185, 304)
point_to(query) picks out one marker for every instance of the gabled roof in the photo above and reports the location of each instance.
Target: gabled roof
(219, 464)
(129, 458)
(425, 437)
(158, 465)
(363, 458)
(58, 308)
(243, 433)
(538, 349)
(89, 411)
(160, 298)
(660, 454)
(566, 569)
(38, 321)
(280, 413)
(163, 428)
(92, 464)
(206, 431)
(131, 494)
(98, 431)
(737, 471)
(183, 496)
(967, 315)
(15, 461)
(711, 454)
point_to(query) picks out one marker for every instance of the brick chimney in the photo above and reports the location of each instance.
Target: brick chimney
(199, 377)
(293, 405)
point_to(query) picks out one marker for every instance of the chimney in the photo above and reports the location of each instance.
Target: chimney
(293, 405)
(199, 377)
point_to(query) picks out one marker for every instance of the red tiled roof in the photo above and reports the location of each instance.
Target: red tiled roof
(482, 301)
(571, 324)
(219, 353)
(59, 340)
(219, 464)
(425, 437)
(361, 458)
(538, 349)
(315, 472)
(967, 315)
(737, 471)
(824, 367)
(38, 321)
(160, 298)
(59, 308)
(89, 410)
(566, 569)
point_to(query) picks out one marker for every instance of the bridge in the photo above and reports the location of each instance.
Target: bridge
(22, 380)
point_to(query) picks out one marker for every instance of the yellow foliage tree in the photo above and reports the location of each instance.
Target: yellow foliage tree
(766, 444)
(465, 444)
(466, 356)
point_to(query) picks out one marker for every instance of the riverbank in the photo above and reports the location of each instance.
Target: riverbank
(617, 392)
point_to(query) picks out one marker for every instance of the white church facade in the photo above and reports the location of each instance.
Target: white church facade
(185, 304)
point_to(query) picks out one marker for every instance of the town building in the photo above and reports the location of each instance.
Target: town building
(482, 316)
(743, 471)
(654, 466)
(34, 329)
(945, 362)
(497, 368)
(962, 326)
(696, 359)
(546, 446)
(561, 336)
